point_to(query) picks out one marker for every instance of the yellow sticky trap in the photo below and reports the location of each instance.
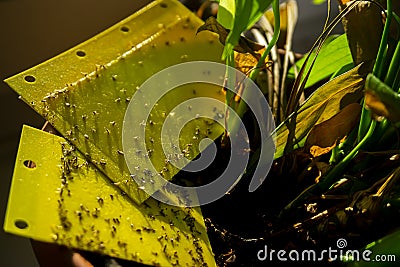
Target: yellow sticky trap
(56, 196)
(85, 91)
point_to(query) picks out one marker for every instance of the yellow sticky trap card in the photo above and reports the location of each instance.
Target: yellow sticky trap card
(85, 91)
(57, 196)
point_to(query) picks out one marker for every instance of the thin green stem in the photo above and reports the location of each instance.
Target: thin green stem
(332, 176)
(392, 74)
(396, 83)
(365, 119)
(338, 169)
(393, 67)
(277, 29)
(242, 107)
(377, 70)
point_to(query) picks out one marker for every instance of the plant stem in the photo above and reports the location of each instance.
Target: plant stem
(377, 71)
(242, 107)
(277, 25)
(365, 119)
(393, 67)
(339, 168)
(390, 79)
(331, 177)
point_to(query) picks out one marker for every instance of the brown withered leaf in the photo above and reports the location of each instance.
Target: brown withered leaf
(317, 151)
(324, 103)
(246, 62)
(363, 38)
(245, 45)
(212, 25)
(381, 107)
(374, 103)
(324, 136)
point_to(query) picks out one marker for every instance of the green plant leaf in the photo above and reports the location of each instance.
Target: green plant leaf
(318, 2)
(323, 104)
(334, 54)
(387, 246)
(226, 13)
(239, 15)
(381, 99)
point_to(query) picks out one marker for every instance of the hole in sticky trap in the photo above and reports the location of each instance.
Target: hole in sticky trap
(29, 164)
(21, 224)
(124, 29)
(30, 78)
(80, 53)
(163, 5)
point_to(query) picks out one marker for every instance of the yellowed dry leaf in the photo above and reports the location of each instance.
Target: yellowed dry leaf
(246, 62)
(317, 151)
(322, 105)
(381, 99)
(378, 107)
(324, 136)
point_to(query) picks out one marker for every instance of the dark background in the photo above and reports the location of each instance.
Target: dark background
(33, 31)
